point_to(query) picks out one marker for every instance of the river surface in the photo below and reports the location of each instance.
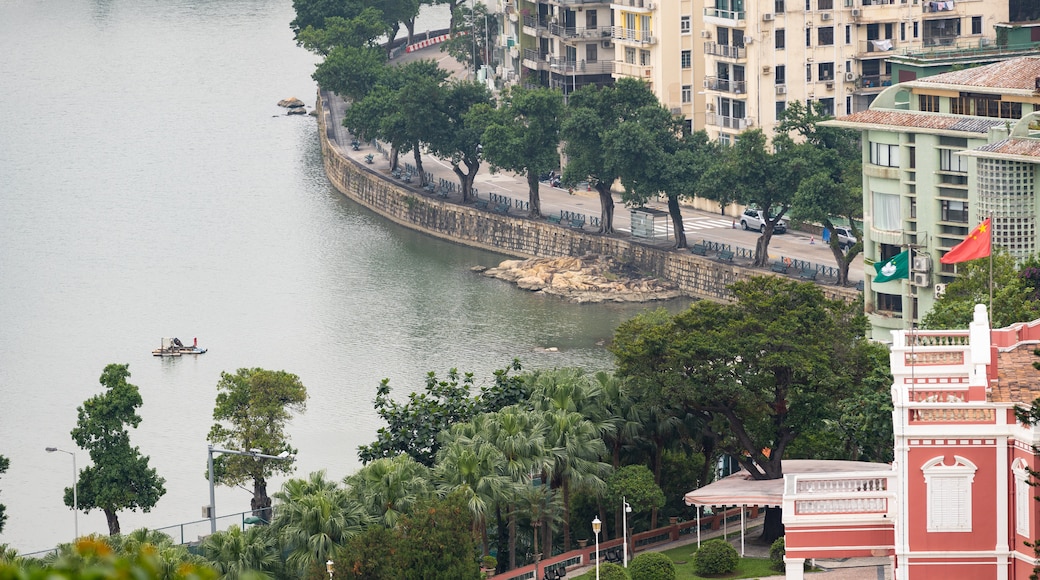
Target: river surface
(150, 187)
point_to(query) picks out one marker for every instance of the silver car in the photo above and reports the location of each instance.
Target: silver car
(754, 219)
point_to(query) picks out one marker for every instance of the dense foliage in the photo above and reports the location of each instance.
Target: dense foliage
(4, 464)
(651, 566)
(1015, 292)
(716, 557)
(120, 477)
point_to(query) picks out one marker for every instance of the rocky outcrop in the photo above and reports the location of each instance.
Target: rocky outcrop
(592, 278)
(295, 106)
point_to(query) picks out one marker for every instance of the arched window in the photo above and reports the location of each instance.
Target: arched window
(949, 494)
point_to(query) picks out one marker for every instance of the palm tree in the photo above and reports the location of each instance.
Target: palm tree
(472, 467)
(390, 486)
(237, 554)
(316, 520)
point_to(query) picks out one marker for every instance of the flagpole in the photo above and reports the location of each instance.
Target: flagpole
(990, 270)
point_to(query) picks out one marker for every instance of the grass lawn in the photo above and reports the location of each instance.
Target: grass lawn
(748, 567)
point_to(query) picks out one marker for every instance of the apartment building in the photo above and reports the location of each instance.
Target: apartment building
(940, 154)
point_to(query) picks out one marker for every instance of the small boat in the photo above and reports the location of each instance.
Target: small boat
(174, 347)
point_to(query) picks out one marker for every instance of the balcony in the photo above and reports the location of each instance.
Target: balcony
(927, 7)
(725, 85)
(878, 48)
(624, 69)
(634, 5)
(874, 81)
(738, 123)
(840, 497)
(725, 50)
(578, 33)
(535, 60)
(536, 26)
(581, 67)
(731, 15)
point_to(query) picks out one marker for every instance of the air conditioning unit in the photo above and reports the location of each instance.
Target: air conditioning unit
(651, 40)
(767, 69)
(676, 110)
(781, 89)
(768, 17)
(922, 263)
(705, 34)
(830, 85)
(749, 121)
(855, 12)
(710, 107)
(607, 44)
(850, 76)
(922, 279)
(940, 289)
(825, 16)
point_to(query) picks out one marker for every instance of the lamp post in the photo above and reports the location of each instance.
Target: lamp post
(595, 529)
(329, 568)
(627, 509)
(212, 498)
(75, 494)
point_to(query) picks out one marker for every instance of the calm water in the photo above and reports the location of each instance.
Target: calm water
(150, 187)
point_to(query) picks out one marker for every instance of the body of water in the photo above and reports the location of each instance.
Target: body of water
(150, 187)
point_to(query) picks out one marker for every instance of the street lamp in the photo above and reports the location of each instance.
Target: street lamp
(624, 529)
(75, 495)
(329, 568)
(595, 529)
(212, 499)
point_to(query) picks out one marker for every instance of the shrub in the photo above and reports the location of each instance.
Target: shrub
(651, 566)
(776, 554)
(607, 571)
(716, 557)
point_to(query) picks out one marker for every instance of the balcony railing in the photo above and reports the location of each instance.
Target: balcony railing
(936, 6)
(724, 14)
(724, 85)
(725, 50)
(632, 35)
(632, 70)
(874, 81)
(579, 32)
(879, 47)
(581, 67)
(840, 495)
(738, 123)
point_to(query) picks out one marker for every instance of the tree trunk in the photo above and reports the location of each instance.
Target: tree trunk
(762, 249)
(677, 223)
(566, 516)
(606, 204)
(260, 504)
(393, 158)
(418, 165)
(113, 522)
(410, 25)
(536, 205)
(512, 539)
(773, 527)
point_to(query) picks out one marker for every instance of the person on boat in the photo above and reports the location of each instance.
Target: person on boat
(195, 342)
(177, 342)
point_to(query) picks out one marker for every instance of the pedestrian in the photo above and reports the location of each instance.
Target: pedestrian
(195, 342)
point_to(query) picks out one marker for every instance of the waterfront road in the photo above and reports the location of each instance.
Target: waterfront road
(699, 225)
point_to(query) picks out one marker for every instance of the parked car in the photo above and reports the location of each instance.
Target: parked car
(846, 239)
(754, 219)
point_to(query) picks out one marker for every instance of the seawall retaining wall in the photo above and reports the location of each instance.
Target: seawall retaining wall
(522, 237)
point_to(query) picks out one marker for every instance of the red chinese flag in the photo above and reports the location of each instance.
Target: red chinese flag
(976, 245)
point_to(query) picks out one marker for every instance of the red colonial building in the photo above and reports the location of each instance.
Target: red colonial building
(956, 502)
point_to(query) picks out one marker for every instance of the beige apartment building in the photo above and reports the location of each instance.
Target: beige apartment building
(727, 65)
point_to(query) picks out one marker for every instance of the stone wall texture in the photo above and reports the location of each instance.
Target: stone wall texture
(523, 237)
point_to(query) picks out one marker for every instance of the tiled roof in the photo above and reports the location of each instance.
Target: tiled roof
(1014, 74)
(923, 120)
(1024, 147)
(1017, 380)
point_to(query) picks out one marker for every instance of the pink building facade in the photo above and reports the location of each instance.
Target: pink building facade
(957, 502)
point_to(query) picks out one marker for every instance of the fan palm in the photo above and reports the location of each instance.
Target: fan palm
(473, 468)
(389, 487)
(235, 553)
(316, 524)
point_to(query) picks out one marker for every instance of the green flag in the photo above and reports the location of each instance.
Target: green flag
(896, 267)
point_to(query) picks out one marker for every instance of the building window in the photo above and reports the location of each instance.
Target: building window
(928, 103)
(826, 71)
(985, 106)
(884, 154)
(685, 58)
(1023, 496)
(886, 212)
(825, 35)
(889, 302)
(778, 6)
(902, 31)
(687, 94)
(808, 74)
(780, 74)
(950, 162)
(780, 37)
(644, 58)
(976, 25)
(684, 25)
(915, 29)
(1007, 192)
(725, 139)
(630, 55)
(954, 211)
(781, 106)
(808, 37)
(949, 494)
(848, 34)
(827, 106)
(825, 4)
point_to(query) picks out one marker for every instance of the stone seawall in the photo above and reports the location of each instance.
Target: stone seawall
(696, 276)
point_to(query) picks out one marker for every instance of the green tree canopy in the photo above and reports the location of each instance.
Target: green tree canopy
(251, 412)
(1014, 293)
(760, 371)
(524, 135)
(119, 478)
(457, 138)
